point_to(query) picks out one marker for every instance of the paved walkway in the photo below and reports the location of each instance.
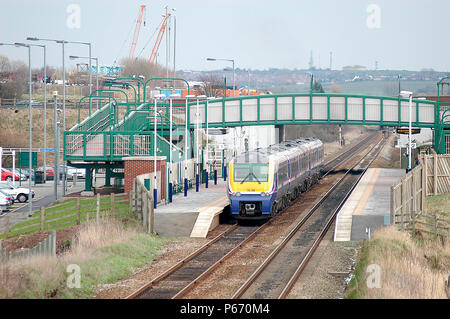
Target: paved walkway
(368, 206)
(178, 218)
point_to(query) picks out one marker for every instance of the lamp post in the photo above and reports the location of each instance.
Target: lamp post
(155, 149)
(197, 170)
(229, 60)
(207, 146)
(30, 113)
(186, 145)
(45, 105)
(56, 144)
(171, 145)
(63, 42)
(73, 57)
(408, 94)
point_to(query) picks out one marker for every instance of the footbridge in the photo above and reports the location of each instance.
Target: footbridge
(127, 128)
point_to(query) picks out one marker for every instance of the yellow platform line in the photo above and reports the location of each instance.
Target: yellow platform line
(363, 201)
(211, 204)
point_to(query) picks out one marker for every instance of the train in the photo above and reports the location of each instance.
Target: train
(264, 181)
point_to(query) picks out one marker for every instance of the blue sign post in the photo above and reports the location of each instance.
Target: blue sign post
(47, 150)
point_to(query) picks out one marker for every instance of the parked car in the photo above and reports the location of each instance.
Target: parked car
(7, 196)
(49, 172)
(23, 176)
(7, 175)
(79, 172)
(18, 193)
(5, 201)
(26, 172)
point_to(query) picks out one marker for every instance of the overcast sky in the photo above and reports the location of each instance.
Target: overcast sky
(258, 34)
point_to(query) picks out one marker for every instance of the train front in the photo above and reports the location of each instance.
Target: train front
(251, 186)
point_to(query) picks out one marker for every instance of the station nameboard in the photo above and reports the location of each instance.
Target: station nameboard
(401, 130)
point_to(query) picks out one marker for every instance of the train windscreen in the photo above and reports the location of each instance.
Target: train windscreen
(251, 173)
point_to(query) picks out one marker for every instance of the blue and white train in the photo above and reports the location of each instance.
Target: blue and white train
(263, 182)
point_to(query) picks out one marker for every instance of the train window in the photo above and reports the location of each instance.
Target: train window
(294, 168)
(283, 172)
(251, 172)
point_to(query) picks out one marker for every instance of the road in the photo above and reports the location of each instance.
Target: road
(44, 196)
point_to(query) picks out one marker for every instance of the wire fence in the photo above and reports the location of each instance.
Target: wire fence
(70, 212)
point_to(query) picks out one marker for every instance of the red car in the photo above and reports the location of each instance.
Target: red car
(8, 176)
(49, 172)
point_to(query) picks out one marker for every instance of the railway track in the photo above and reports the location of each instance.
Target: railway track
(182, 277)
(277, 274)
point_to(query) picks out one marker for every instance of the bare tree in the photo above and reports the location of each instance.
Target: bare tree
(140, 67)
(211, 83)
(5, 66)
(14, 86)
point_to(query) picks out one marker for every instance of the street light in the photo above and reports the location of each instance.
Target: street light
(171, 145)
(408, 94)
(186, 144)
(73, 57)
(30, 112)
(229, 60)
(63, 42)
(197, 164)
(155, 188)
(207, 146)
(56, 126)
(45, 104)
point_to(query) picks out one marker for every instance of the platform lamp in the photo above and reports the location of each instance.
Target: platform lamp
(155, 149)
(207, 146)
(186, 147)
(229, 60)
(30, 111)
(197, 164)
(171, 145)
(408, 94)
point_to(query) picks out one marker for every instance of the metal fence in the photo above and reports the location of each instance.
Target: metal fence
(47, 247)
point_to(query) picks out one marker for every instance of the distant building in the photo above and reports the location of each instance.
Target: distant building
(354, 68)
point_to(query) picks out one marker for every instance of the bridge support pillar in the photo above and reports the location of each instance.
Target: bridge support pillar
(108, 177)
(88, 180)
(281, 132)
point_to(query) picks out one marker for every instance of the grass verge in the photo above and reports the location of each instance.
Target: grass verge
(411, 267)
(102, 259)
(62, 214)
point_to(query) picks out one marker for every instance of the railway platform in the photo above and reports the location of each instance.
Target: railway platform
(194, 215)
(368, 206)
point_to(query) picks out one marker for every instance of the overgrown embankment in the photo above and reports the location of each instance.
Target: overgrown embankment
(408, 265)
(105, 252)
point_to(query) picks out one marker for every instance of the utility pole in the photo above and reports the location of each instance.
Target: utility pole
(56, 146)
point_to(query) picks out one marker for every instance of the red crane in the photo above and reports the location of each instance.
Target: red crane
(136, 31)
(158, 39)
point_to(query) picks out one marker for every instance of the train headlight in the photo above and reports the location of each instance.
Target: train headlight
(263, 194)
(238, 194)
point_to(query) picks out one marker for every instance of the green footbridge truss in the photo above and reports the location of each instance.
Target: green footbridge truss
(126, 128)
